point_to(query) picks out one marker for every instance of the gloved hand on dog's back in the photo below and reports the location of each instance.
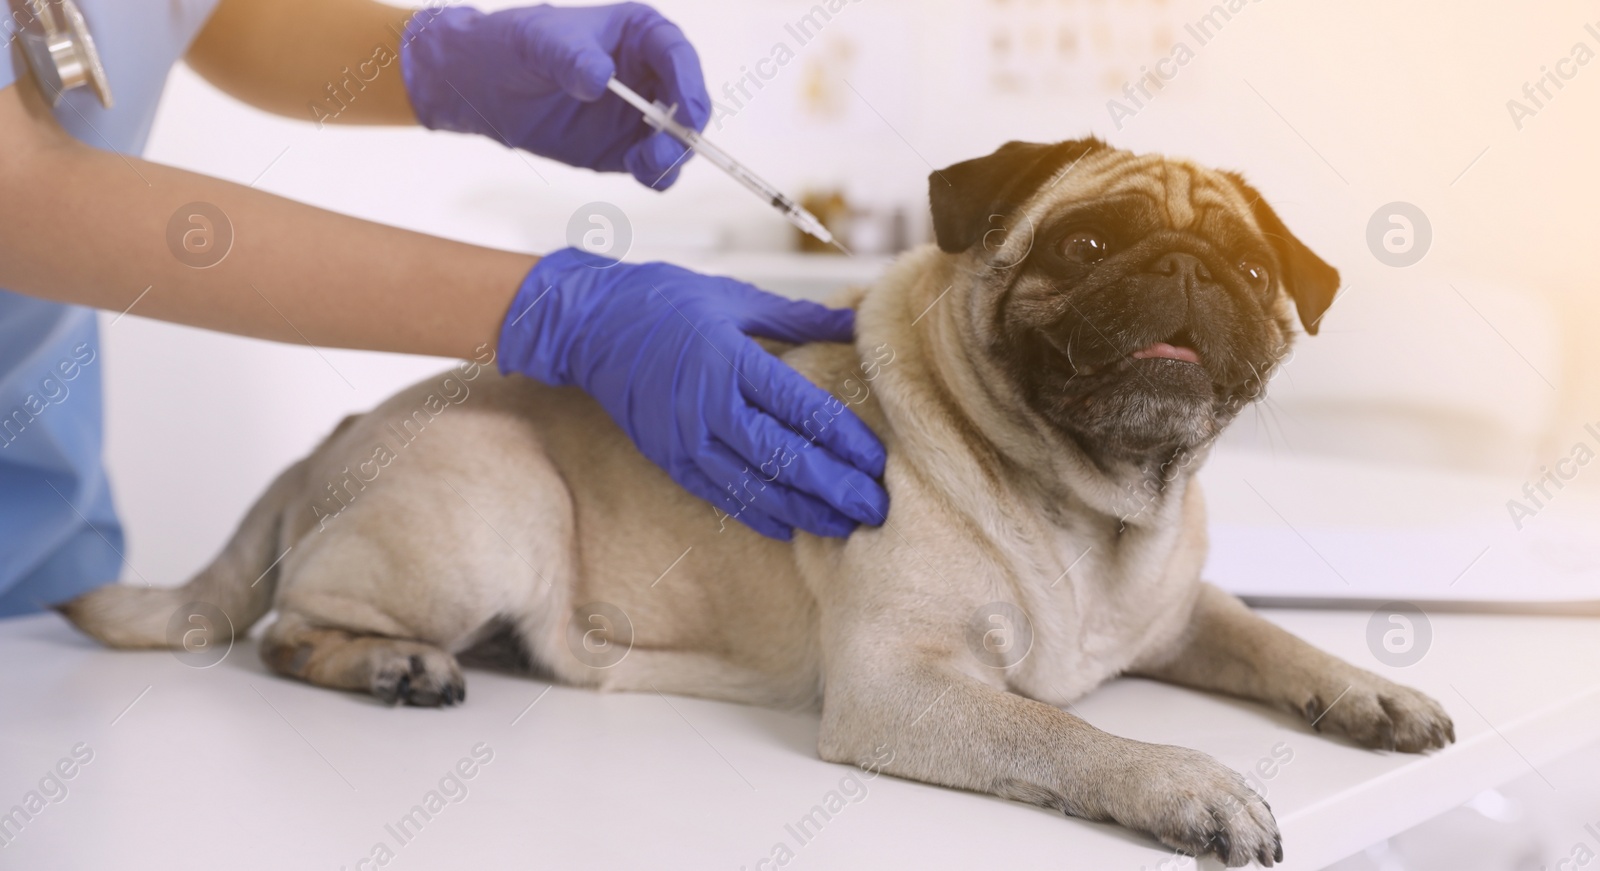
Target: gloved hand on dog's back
(535, 78)
(667, 352)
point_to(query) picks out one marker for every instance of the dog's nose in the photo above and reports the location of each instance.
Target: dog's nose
(1187, 268)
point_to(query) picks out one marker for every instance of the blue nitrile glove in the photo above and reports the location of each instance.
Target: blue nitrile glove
(535, 78)
(666, 353)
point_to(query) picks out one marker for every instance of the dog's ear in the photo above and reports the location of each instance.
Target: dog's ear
(1311, 281)
(970, 198)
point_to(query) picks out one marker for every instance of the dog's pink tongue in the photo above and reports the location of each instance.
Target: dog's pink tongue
(1170, 352)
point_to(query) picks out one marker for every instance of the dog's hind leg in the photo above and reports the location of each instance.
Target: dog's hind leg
(396, 670)
(415, 570)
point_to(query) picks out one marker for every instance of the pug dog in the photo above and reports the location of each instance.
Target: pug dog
(1046, 379)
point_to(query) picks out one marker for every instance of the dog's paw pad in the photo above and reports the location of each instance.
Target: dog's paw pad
(419, 676)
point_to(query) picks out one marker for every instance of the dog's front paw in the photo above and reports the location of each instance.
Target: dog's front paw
(1195, 804)
(1380, 714)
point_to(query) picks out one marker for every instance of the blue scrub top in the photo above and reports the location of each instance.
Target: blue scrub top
(59, 533)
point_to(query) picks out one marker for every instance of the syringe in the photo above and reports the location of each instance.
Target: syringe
(660, 117)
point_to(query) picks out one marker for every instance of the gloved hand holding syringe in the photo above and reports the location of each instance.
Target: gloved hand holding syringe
(660, 117)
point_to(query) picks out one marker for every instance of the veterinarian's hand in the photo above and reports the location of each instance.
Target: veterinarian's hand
(668, 353)
(535, 78)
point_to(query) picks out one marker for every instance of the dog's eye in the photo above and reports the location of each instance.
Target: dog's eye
(1086, 247)
(1258, 276)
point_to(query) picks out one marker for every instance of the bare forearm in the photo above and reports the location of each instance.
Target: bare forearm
(91, 227)
(329, 61)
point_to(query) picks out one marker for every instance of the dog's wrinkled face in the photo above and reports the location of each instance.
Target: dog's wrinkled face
(1137, 302)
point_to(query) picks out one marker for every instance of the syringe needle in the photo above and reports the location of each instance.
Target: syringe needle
(660, 117)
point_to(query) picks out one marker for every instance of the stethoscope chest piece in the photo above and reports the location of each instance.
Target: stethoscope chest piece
(61, 52)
